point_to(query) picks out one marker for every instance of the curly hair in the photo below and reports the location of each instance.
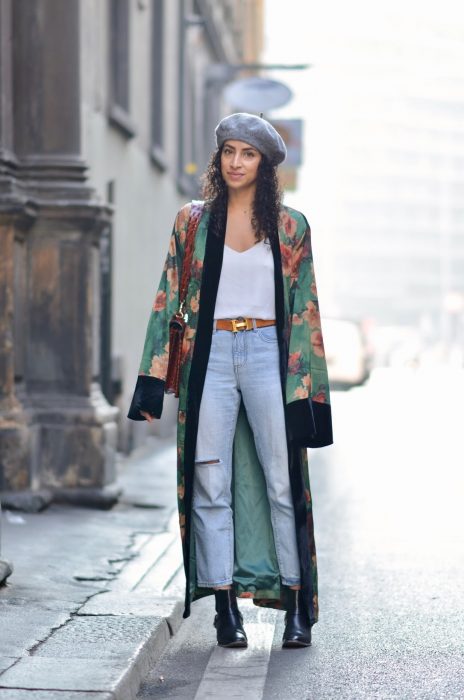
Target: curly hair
(266, 205)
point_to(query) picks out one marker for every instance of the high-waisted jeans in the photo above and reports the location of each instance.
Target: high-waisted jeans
(241, 365)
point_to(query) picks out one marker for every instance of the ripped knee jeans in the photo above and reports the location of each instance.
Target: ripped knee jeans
(243, 365)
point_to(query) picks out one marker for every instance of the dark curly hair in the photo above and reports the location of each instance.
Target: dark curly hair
(266, 205)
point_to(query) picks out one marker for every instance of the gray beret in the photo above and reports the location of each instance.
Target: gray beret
(253, 130)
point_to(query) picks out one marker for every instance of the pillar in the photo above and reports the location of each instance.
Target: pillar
(58, 429)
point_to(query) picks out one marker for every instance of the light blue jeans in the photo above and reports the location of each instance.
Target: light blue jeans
(241, 365)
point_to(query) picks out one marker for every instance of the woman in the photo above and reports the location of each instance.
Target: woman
(253, 389)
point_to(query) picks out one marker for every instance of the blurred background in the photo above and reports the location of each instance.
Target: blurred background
(107, 116)
(382, 177)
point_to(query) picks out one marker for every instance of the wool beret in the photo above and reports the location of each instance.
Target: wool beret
(253, 130)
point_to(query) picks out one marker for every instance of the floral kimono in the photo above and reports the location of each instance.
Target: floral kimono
(305, 393)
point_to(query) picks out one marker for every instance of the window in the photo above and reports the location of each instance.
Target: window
(187, 182)
(119, 70)
(157, 84)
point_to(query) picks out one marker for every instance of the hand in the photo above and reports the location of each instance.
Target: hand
(148, 416)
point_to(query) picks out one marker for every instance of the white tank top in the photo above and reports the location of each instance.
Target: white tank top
(246, 286)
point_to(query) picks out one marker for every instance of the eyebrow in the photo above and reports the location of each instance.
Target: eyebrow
(245, 148)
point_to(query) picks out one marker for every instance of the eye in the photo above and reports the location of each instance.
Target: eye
(250, 154)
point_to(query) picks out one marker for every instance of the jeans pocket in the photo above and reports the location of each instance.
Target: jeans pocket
(268, 334)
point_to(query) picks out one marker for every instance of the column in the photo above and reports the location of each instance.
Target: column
(51, 255)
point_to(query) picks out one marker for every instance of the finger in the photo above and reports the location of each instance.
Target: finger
(147, 416)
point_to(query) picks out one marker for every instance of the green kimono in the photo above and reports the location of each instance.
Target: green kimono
(305, 392)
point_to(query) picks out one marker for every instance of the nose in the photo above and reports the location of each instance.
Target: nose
(236, 160)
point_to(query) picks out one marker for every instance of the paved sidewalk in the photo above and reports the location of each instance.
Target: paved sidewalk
(94, 595)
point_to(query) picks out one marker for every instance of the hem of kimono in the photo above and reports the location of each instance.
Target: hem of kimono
(265, 593)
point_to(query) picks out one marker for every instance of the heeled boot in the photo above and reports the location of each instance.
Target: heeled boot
(228, 620)
(297, 631)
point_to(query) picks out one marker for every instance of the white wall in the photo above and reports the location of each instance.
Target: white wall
(146, 199)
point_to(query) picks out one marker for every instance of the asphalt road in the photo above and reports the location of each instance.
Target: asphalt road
(388, 501)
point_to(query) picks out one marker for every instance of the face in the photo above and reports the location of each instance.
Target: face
(239, 164)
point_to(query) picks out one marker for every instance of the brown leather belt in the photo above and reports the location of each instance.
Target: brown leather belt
(241, 324)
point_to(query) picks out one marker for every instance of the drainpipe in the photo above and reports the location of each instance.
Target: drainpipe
(181, 97)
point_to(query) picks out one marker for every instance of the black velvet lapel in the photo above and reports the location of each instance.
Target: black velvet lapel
(304, 527)
(280, 312)
(212, 264)
(294, 453)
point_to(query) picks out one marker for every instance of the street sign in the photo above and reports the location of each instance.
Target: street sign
(257, 94)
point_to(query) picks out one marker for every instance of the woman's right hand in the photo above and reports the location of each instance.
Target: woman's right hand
(148, 416)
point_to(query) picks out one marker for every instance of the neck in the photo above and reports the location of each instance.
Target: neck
(242, 201)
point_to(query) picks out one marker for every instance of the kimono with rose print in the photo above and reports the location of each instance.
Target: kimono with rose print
(305, 392)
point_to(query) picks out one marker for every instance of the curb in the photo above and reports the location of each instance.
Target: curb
(148, 654)
(96, 620)
(111, 663)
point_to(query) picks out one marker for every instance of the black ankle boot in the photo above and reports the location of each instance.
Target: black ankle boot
(297, 631)
(228, 621)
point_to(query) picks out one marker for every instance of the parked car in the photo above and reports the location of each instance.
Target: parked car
(347, 355)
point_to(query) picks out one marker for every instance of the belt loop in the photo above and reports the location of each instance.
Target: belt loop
(254, 323)
(214, 325)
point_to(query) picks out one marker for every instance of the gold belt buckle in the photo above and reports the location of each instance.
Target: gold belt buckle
(239, 324)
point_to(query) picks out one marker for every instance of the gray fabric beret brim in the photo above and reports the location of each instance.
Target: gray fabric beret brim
(253, 130)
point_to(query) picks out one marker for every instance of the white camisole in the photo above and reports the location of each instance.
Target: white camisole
(246, 286)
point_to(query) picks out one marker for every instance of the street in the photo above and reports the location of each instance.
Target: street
(88, 610)
(321, 145)
(388, 515)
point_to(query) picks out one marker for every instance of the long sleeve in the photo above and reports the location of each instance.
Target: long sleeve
(149, 391)
(308, 399)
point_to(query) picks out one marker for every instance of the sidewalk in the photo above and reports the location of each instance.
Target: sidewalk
(95, 595)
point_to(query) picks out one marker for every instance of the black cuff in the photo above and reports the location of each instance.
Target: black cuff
(148, 397)
(310, 423)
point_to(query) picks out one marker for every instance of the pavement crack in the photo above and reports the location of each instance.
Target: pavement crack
(15, 661)
(33, 649)
(103, 615)
(119, 560)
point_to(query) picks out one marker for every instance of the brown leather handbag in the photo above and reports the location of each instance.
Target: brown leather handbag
(179, 320)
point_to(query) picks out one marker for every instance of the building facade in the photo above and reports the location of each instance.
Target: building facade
(103, 107)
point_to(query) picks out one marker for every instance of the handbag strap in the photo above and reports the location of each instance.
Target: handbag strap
(196, 211)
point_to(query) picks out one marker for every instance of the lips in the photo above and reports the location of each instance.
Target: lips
(235, 176)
